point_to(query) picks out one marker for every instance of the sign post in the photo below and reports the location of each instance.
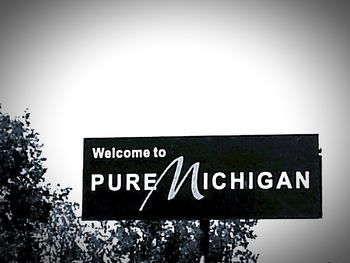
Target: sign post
(204, 240)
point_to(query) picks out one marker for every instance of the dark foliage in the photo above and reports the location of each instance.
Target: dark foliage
(24, 200)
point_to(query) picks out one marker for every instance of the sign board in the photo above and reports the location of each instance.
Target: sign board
(215, 177)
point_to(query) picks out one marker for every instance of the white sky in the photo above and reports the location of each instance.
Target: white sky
(187, 68)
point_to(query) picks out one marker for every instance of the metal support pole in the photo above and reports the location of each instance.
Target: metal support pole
(204, 240)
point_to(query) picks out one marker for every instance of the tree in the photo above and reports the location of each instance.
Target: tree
(23, 198)
(58, 238)
(230, 240)
(171, 241)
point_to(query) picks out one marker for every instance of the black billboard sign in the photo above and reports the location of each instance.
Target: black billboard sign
(215, 177)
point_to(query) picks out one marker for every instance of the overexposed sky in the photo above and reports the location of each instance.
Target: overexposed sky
(159, 68)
